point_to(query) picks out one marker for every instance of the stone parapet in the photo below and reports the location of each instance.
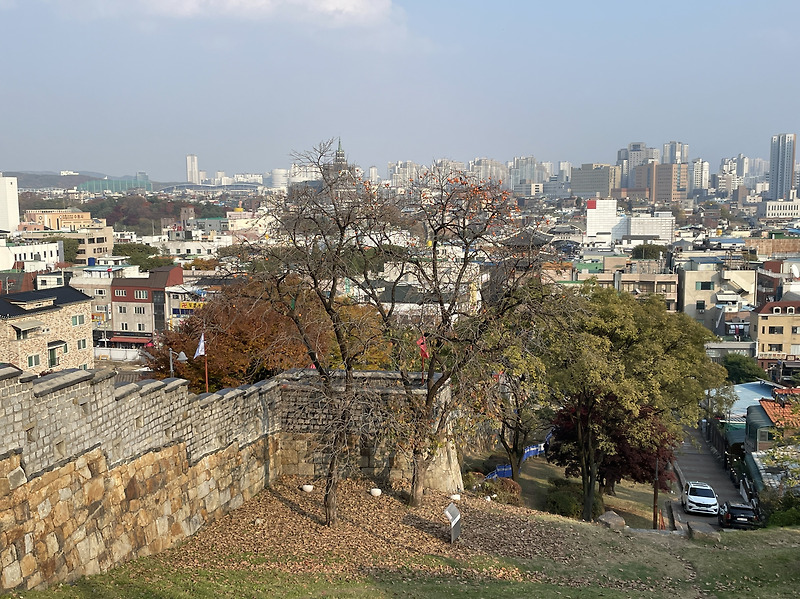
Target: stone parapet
(93, 473)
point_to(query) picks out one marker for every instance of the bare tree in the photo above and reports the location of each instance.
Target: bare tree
(391, 274)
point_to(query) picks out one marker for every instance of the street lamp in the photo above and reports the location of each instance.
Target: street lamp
(181, 357)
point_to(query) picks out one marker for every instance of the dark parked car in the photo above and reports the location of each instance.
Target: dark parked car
(737, 515)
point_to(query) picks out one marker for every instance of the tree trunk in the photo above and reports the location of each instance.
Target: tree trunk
(516, 466)
(331, 486)
(419, 468)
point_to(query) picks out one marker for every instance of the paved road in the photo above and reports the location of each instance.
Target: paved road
(698, 463)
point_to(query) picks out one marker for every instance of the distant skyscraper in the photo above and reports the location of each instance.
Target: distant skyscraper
(192, 173)
(698, 175)
(675, 152)
(781, 166)
(636, 154)
(9, 204)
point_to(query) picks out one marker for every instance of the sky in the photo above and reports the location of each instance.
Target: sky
(119, 86)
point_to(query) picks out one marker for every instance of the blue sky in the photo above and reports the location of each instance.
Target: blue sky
(118, 86)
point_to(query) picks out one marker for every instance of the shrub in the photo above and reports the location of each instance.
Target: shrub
(565, 498)
(472, 480)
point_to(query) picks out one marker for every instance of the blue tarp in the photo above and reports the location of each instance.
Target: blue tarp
(504, 470)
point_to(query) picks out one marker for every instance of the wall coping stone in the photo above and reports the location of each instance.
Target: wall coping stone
(27, 377)
(103, 374)
(61, 380)
(123, 390)
(148, 386)
(9, 371)
(174, 383)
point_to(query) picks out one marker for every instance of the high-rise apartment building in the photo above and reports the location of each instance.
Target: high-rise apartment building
(781, 166)
(668, 183)
(192, 172)
(636, 154)
(9, 204)
(698, 175)
(675, 152)
(595, 180)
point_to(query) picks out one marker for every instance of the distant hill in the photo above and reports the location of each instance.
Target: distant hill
(45, 180)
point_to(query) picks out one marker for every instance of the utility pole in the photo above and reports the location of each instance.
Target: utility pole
(655, 498)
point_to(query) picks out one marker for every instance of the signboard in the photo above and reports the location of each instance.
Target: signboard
(191, 305)
(454, 515)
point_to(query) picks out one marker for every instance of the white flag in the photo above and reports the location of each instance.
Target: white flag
(201, 347)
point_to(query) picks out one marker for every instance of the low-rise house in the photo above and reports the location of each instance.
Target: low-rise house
(47, 329)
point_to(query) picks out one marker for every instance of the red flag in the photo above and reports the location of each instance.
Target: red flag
(423, 348)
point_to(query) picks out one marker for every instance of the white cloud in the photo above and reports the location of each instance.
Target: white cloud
(330, 13)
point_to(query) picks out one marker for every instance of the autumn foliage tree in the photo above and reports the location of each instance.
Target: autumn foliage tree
(247, 340)
(625, 375)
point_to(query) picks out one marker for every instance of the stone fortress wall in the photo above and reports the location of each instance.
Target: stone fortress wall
(94, 473)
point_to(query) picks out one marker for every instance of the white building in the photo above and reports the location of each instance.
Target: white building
(192, 173)
(9, 204)
(675, 152)
(605, 226)
(698, 174)
(35, 256)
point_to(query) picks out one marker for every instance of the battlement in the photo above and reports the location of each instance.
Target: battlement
(95, 472)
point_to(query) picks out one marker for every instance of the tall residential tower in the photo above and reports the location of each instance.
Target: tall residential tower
(781, 166)
(192, 172)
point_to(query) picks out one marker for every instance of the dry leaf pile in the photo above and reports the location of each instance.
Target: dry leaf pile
(286, 526)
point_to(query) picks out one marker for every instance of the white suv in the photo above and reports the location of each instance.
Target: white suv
(699, 497)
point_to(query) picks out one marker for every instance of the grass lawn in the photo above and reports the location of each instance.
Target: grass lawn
(634, 502)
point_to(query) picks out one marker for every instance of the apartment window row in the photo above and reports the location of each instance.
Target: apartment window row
(777, 310)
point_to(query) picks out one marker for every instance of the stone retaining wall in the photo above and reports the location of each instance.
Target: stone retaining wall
(93, 473)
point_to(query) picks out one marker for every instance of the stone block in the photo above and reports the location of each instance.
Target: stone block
(11, 576)
(16, 478)
(27, 565)
(701, 531)
(612, 520)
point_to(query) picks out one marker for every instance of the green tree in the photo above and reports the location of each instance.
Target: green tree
(144, 256)
(619, 356)
(70, 247)
(649, 251)
(742, 369)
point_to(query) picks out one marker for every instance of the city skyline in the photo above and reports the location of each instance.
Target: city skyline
(119, 87)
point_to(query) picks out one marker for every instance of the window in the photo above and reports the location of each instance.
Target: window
(775, 347)
(138, 309)
(33, 360)
(776, 310)
(700, 306)
(140, 294)
(99, 291)
(81, 343)
(123, 326)
(790, 310)
(704, 285)
(22, 335)
(776, 330)
(795, 330)
(140, 327)
(120, 292)
(122, 309)
(79, 319)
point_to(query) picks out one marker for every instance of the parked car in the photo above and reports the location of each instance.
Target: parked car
(700, 498)
(737, 515)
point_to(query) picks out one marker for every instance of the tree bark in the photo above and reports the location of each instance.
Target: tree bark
(419, 469)
(331, 485)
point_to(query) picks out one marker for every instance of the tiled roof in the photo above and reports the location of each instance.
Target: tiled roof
(767, 308)
(60, 295)
(782, 415)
